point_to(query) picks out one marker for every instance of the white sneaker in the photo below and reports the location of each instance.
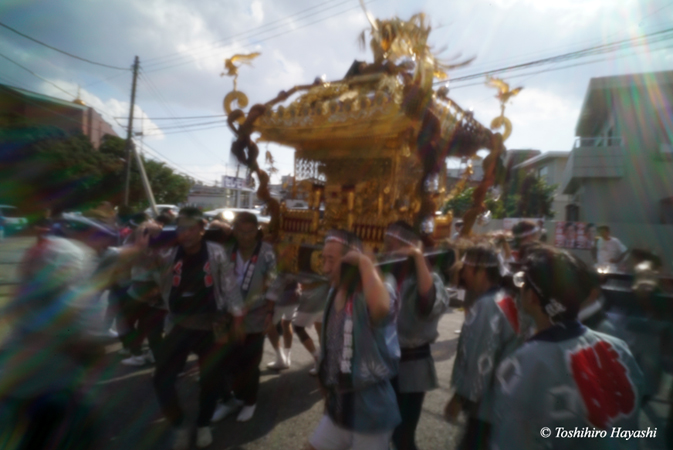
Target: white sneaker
(288, 357)
(135, 361)
(314, 371)
(279, 364)
(226, 409)
(112, 333)
(203, 437)
(181, 438)
(246, 413)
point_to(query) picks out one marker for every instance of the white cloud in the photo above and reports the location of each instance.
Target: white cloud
(109, 108)
(257, 11)
(201, 34)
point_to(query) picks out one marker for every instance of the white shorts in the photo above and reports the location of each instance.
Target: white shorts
(283, 312)
(328, 436)
(304, 319)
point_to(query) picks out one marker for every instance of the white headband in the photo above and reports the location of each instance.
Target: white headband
(527, 233)
(400, 238)
(474, 264)
(341, 241)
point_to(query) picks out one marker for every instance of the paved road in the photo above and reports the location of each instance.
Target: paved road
(289, 406)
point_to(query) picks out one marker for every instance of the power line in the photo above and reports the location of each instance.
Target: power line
(36, 75)
(50, 82)
(173, 164)
(193, 124)
(154, 69)
(481, 83)
(228, 38)
(61, 51)
(152, 86)
(599, 49)
(223, 116)
(185, 131)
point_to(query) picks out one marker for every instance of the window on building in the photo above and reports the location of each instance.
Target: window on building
(245, 200)
(543, 172)
(572, 213)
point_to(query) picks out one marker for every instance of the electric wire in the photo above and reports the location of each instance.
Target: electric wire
(590, 51)
(62, 51)
(36, 75)
(254, 31)
(322, 19)
(148, 82)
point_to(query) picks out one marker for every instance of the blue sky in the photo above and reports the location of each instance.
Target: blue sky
(182, 46)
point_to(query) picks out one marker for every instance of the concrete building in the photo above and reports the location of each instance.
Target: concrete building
(620, 169)
(213, 197)
(550, 166)
(19, 107)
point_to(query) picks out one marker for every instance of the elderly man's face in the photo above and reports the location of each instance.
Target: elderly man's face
(190, 232)
(245, 234)
(331, 257)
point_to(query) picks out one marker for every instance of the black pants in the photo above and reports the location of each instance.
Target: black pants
(241, 369)
(176, 348)
(477, 435)
(143, 321)
(54, 421)
(410, 405)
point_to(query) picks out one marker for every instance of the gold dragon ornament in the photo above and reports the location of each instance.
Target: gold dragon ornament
(504, 94)
(232, 71)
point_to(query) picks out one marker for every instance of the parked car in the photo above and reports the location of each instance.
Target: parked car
(228, 214)
(10, 217)
(173, 208)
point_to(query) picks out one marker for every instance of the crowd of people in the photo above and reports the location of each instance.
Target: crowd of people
(536, 349)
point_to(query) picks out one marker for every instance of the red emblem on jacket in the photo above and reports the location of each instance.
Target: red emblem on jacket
(208, 279)
(177, 273)
(603, 382)
(508, 308)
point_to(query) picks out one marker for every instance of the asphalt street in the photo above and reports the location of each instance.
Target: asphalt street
(289, 405)
(288, 409)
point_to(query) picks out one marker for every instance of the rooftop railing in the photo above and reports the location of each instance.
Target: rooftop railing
(614, 141)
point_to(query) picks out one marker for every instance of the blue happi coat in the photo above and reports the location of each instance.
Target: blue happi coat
(489, 334)
(567, 378)
(374, 362)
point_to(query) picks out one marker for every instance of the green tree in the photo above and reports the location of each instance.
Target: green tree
(42, 167)
(460, 203)
(45, 168)
(535, 198)
(167, 186)
(528, 197)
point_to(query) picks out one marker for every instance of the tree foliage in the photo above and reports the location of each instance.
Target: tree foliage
(528, 197)
(42, 167)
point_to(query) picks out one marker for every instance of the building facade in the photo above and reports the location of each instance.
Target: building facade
(19, 107)
(620, 169)
(214, 197)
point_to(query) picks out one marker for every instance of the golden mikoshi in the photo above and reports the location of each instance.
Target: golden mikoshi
(370, 147)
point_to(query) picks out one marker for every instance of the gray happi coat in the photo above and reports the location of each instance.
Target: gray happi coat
(490, 333)
(416, 329)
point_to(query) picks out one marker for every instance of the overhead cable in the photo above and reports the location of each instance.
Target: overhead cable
(62, 51)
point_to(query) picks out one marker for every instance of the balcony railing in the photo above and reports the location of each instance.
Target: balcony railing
(598, 142)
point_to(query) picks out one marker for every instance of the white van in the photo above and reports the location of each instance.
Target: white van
(13, 222)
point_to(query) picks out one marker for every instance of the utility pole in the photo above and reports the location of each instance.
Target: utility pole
(129, 133)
